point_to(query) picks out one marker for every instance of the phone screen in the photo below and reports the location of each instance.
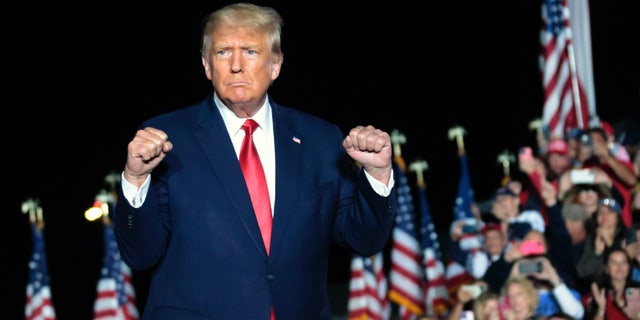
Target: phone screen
(633, 302)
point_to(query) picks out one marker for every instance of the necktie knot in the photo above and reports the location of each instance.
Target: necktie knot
(249, 126)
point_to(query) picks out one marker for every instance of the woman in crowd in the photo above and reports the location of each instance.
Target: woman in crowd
(609, 232)
(519, 299)
(609, 299)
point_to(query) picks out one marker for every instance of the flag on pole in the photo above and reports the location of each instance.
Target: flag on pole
(456, 274)
(406, 277)
(368, 289)
(116, 299)
(462, 208)
(566, 68)
(437, 296)
(39, 304)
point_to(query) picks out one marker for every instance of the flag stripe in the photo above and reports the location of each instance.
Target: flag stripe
(115, 297)
(39, 304)
(567, 105)
(406, 277)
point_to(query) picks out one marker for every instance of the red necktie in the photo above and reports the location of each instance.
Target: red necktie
(256, 182)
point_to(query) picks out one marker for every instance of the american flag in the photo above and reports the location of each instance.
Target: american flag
(116, 299)
(39, 305)
(437, 295)
(368, 289)
(462, 208)
(569, 99)
(456, 274)
(406, 277)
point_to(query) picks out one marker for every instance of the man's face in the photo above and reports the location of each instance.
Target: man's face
(240, 66)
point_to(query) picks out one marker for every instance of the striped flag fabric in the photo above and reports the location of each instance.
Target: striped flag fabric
(116, 299)
(406, 277)
(456, 274)
(462, 208)
(368, 289)
(566, 68)
(436, 293)
(39, 304)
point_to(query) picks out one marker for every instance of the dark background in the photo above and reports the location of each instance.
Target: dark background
(81, 77)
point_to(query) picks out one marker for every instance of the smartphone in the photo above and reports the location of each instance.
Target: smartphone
(532, 266)
(474, 289)
(470, 228)
(633, 302)
(531, 247)
(582, 176)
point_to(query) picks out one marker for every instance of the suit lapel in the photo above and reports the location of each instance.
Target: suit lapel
(288, 145)
(215, 143)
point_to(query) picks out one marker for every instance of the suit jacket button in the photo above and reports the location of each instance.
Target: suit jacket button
(271, 277)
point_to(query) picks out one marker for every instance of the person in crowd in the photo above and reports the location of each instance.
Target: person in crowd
(485, 306)
(188, 209)
(519, 299)
(609, 299)
(609, 232)
(615, 147)
(515, 222)
(567, 231)
(632, 247)
(554, 293)
(595, 153)
(494, 242)
(587, 196)
(557, 159)
(466, 295)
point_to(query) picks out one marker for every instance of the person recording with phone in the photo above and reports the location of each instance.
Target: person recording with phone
(529, 259)
(465, 296)
(594, 152)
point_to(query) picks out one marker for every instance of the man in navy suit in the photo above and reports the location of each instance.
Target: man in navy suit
(186, 213)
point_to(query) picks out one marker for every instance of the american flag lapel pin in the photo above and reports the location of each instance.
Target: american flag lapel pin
(296, 139)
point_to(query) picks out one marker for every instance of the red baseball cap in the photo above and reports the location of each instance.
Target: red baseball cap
(557, 145)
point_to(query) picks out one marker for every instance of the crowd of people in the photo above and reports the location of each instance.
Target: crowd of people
(560, 241)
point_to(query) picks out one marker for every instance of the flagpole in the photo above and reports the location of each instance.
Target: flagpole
(397, 139)
(419, 166)
(458, 133)
(574, 82)
(506, 158)
(32, 207)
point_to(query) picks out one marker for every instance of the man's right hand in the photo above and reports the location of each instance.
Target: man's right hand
(144, 153)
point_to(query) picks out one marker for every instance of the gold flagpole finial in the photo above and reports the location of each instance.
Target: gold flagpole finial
(32, 207)
(112, 179)
(397, 139)
(535, 125)
(505, 159)
(419, 166)
(458, 133)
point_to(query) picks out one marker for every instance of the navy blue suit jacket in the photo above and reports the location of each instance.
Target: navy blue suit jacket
(198, 232)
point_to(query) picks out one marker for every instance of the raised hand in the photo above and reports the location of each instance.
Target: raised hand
(371, 148)
(147, 149)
